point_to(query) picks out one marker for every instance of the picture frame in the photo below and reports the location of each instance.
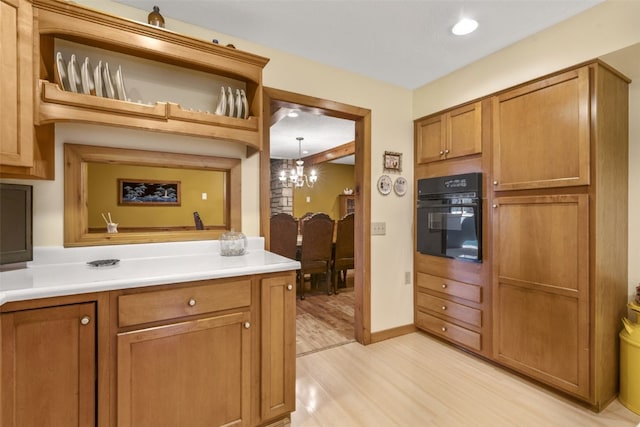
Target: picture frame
(392, 161)
(146, 192)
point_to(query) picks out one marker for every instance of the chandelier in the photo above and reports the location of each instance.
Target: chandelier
(297, 176)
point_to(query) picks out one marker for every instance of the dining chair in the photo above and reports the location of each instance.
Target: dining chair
(302, 220)
(315, 255)
(283, 234)
(342, 259)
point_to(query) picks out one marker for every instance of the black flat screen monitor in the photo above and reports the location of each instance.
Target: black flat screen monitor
(16, 243)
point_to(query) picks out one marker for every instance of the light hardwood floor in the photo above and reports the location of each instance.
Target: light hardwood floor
(415, 380)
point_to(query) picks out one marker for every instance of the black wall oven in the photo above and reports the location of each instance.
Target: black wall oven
(449, 217)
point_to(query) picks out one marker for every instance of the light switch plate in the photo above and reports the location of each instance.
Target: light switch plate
(378, 228)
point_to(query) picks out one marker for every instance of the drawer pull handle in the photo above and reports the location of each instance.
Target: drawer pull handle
(444, 329)
(441, 152)
(192, 302)
(446, 151)
(444, 307)
(289, 287)
(444, 286)
(247, 325)
(85, 320)
(495, 182)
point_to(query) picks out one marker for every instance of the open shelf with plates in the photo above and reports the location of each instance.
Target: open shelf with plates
(159, 63)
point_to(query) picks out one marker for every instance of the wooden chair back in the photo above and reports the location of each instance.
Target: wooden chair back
(317, 242)
(283, 235)
(343, 256)
(302, 221)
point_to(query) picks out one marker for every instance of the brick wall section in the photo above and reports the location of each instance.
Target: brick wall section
(281, 193)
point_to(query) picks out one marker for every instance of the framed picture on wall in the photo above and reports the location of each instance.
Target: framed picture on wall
(392, 161)
(145, 192)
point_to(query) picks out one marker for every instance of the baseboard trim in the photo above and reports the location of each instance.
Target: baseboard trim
(392, 333)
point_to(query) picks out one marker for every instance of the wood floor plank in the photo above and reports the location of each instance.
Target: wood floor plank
(415, 380)
(324, 321)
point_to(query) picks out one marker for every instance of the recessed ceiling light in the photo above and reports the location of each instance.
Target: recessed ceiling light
(292, 113)
(464, 26)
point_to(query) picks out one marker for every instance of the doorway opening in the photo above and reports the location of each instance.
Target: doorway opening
(274, 101)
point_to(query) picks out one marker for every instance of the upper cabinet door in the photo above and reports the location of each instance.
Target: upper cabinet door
(464, 131)
(541, 133)
(430, 139)
(455, 133)
(16, 85)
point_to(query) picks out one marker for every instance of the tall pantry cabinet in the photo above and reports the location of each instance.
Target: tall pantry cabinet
(560, 170)
(553, 280)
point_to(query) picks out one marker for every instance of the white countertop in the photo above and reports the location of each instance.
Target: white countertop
(64, 271)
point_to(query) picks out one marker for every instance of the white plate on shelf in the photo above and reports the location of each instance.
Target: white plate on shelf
(88, 85)
(121, 94)
(245, 105)
(108, 84)
(61, 70)
(75, 80)
(97, 80)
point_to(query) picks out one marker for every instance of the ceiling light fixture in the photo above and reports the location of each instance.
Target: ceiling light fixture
(292, 113)
(464, 27)
(297, 176)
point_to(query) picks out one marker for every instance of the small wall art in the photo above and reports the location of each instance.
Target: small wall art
(392, 162)
(144, 192)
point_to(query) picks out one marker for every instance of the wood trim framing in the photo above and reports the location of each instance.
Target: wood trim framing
(274, 98)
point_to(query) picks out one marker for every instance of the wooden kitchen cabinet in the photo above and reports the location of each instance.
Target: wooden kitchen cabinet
(278, 336)
(541, 133)
(49, 366)
(346, 204)
(560, 247)
(16, 120)
(191, 369)
(24, 152)
(541, 295)
(449, 135)
(450, 309)
(194, 373)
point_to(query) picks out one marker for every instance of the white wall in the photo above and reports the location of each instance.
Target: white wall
(609, 31)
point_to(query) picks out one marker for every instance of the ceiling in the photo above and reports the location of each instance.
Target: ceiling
(407, 43)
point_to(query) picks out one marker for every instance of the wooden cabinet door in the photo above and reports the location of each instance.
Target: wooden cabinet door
(541, 133)
(278, 360)
(464, 131)
(16, 84)
(49, 367)
(453, 134)
(541, 288)
(430, 139)
(193, 373)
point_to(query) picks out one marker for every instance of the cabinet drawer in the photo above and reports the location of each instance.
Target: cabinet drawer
(450, 287)
(168, 304)
(450, 309)
(448, 330)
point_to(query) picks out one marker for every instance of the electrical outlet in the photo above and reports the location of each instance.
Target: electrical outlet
(204, 196)
(407, 277)
(378, 228)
